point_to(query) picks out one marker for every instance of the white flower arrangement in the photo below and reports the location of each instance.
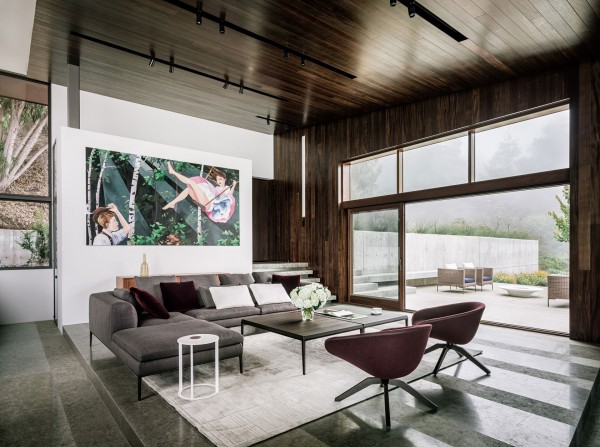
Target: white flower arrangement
(311, 296)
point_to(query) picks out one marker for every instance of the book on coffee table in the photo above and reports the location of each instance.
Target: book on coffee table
(341, 313)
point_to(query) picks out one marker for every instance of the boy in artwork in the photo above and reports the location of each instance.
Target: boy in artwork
(106, 218)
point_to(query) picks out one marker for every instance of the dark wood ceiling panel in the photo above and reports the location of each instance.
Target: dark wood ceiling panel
(395, 59)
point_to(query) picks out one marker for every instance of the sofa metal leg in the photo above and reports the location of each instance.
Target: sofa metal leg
(139, 380)
(90, 338)
(241, 364)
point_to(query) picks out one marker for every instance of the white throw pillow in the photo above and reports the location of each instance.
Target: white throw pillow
(450, 266)
(269, 293)
(231, 296)
(468, 265)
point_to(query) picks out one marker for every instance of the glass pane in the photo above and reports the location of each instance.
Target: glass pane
(375, 177)
(535, 145)
(436, 165)
(375, 254)
(508, 243)
(24, 234)
(23, 147)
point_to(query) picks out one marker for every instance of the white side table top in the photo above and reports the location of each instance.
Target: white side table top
(198, 339)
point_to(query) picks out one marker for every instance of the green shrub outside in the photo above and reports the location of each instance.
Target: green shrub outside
(539, 278)
(553, 264)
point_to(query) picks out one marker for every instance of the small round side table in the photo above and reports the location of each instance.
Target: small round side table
(191, 341)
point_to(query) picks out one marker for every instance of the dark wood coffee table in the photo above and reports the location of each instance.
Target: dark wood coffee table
(290, 324)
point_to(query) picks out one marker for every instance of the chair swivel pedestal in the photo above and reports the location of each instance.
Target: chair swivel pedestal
(454, 324)
(387, 356)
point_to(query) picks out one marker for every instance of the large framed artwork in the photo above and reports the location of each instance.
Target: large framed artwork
(140, 200)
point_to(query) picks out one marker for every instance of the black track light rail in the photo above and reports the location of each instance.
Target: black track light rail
(270, 120)
(172, 65)
(222, 22)
(427, 15)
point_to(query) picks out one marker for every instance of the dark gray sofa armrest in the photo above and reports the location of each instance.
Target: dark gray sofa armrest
(109, 314)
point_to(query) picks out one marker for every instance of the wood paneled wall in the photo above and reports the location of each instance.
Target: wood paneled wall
(323, 239)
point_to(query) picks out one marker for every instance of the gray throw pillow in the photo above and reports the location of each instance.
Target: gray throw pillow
(236, 279)
(151, 284)
(205, 280)
(126, 295)
(262, 277)
(206, 298)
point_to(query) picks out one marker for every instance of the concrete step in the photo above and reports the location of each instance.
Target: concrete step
(376, 277)
(268, 266)
(389, 292)
(311, 279)
(302, 273)
(366, 287)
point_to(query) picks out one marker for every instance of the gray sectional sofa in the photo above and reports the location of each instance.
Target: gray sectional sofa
(148, 345)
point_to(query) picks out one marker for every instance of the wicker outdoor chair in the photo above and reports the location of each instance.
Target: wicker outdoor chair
(462, 278)
(558, 287)
(484, 276)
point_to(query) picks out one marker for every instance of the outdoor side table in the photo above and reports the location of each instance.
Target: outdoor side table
(191, 341)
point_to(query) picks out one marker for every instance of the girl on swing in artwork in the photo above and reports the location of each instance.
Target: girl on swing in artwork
(217, 202)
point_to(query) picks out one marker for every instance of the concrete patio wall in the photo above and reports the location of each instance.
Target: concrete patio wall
(377, 252)
(11, 253)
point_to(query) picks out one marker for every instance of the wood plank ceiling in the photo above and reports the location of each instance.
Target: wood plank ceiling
(396, 59)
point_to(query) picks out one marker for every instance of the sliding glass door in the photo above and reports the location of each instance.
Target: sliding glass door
(376, 260)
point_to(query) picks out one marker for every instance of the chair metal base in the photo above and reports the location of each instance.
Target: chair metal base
(385, 383)
(459, 350)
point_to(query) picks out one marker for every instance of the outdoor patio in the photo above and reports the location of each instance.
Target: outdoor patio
(500, 307)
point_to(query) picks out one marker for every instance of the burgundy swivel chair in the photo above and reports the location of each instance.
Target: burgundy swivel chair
(455, 324)
(386, 355)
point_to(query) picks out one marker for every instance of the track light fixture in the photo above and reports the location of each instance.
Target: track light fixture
(241, 87)
(226, 84)
(270, 120)
(393, 2)
(286, 54)
(199, 13)
(302, 61)
(222, 26)
(412, 9)
(152, 59)
(171, 64)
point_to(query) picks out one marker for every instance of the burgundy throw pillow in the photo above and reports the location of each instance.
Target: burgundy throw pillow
(289, 282)
(150, 304)
(179, 296)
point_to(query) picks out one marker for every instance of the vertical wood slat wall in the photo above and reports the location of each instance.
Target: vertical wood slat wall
(322, 241)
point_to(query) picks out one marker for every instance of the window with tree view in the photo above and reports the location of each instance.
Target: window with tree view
(24, 184)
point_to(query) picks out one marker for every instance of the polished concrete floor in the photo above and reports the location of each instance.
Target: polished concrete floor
(55, 390)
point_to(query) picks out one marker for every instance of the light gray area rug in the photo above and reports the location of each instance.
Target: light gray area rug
(272, 396)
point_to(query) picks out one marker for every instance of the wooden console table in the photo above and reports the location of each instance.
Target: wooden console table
(126, 282)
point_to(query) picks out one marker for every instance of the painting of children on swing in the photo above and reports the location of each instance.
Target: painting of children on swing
(159, 201)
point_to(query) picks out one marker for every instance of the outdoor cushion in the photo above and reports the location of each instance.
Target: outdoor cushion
(262, 277)
(236, 279)
(174, 317)
(234, 296)
(450, 266)
(469, 280)
(223, 314)
(159, 342)
(151, 284)
(179, 296)
(468, 265)
(487, 278)
(269, 293)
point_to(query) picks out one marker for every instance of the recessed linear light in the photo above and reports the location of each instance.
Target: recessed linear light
(172, 63)
(253, 35)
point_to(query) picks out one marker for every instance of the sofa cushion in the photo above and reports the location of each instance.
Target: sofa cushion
(236, 279)
(223, 314)
(276, 307)
(174, 317)
(262, 277)
(152, 284)
(158, 342)
(204, 280)
(179, 296)
(149, 303)
(126, 295)
(233, 296)
(290, 282)
(269, 293)
(206, 297)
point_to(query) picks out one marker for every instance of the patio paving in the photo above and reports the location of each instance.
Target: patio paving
(500, 307)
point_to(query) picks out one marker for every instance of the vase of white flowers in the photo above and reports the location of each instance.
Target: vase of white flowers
(309, 298)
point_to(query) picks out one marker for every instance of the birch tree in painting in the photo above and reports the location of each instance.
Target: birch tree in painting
(89, 194)
(21, 126)
(132, 192)
(199, 224)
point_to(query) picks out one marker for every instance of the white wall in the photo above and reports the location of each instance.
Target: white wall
(127, 119)
(85, 269)
(32, 293)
